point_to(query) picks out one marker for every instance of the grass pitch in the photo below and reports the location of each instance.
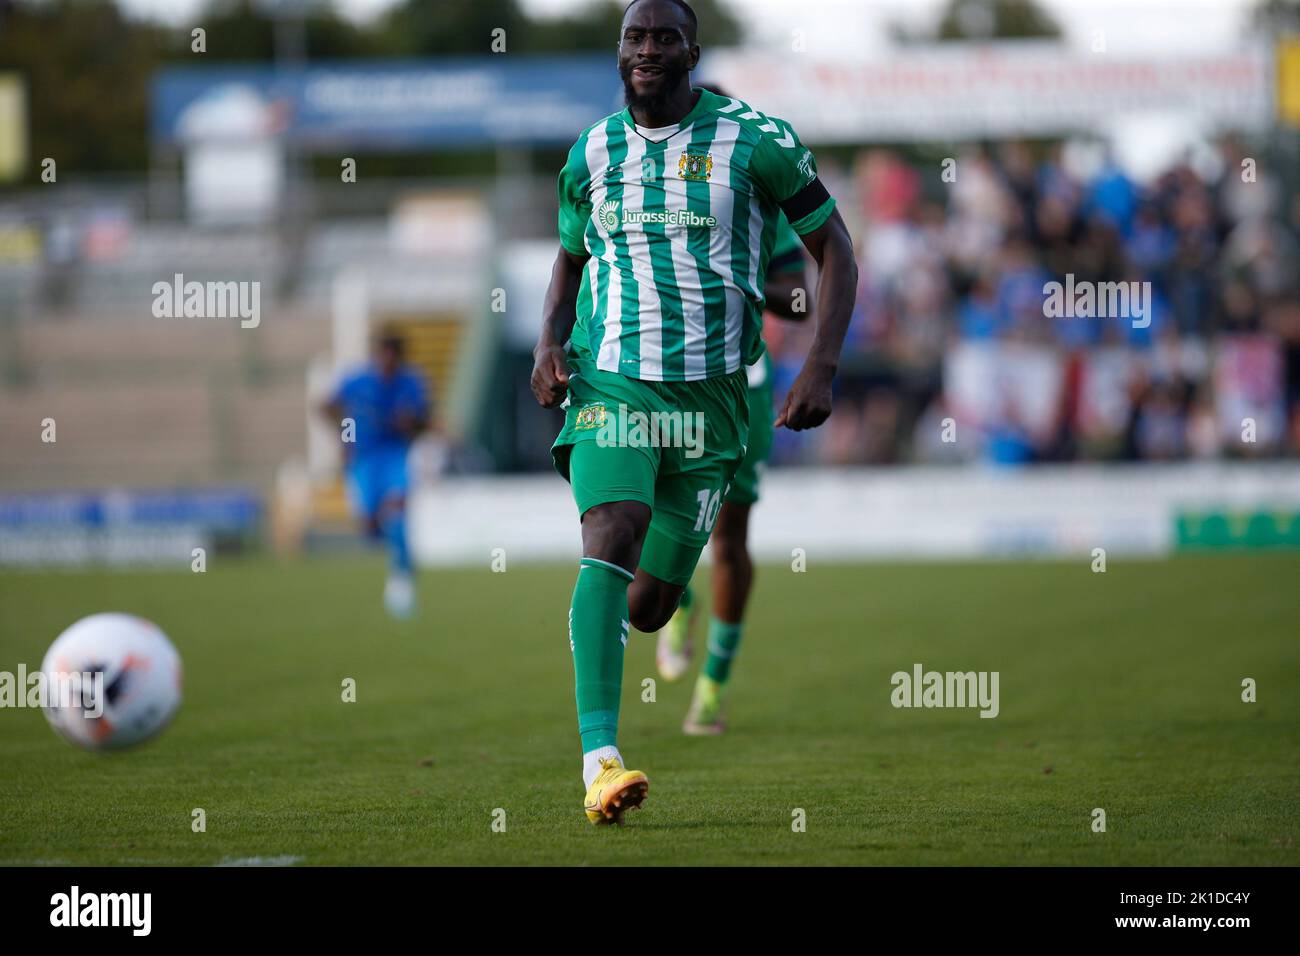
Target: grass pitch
(1119, 690)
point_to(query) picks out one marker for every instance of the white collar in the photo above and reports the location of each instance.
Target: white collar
(657, 135)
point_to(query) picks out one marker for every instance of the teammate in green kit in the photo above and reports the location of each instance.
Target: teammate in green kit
(785, 292)
(669, 211)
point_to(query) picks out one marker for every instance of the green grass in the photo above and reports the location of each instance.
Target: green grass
(1118, 690)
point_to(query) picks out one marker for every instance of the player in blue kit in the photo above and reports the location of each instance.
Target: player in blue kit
(380, 409)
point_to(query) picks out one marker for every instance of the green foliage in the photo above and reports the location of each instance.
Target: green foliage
(466, 27)
(88, 67)
(986, 20)
(1004, 19)
(241, 30)
(87, 72)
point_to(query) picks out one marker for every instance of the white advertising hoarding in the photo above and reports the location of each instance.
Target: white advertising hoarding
(1013, 88)
(881, 513)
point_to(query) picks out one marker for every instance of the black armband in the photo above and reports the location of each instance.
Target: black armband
(805, 201)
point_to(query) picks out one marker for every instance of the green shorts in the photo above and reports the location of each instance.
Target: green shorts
(673, 445)
(744, 487)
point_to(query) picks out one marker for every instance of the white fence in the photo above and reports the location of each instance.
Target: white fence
(882, 513)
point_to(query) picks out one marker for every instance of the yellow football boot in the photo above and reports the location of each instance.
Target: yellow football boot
(613, 791)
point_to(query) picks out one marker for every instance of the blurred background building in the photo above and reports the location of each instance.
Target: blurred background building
(375, 164)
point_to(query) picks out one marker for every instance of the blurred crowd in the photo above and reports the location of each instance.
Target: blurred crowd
(953, 353)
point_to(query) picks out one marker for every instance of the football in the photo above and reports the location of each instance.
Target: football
(111, 681)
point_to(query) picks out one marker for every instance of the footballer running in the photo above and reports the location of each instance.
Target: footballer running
(668, 215)
(733, 568)
(388, 405)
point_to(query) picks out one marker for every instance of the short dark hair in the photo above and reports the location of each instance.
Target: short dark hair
(391, 341)
(681, 5)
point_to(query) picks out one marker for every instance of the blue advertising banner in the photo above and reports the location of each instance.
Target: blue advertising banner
(218, 509)
(164, 528)
(390, 105)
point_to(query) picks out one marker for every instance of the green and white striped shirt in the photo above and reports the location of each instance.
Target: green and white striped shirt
(680, 232)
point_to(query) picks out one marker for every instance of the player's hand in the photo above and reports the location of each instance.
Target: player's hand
(407, 423)
(550, 376)
(808, 403)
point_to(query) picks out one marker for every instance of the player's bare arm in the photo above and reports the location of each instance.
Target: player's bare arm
(559, 311)
(808, 402)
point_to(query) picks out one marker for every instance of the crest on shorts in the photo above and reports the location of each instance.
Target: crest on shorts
(696, 166)
(590, 416)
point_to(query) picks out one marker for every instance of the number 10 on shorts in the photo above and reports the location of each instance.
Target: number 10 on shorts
(709, 506)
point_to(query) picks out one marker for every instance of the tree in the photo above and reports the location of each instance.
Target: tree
(87, 70)
(88, 66)
(465, 27)
(246, 30)
(986, 20)
(1273, 18)
(597, 29)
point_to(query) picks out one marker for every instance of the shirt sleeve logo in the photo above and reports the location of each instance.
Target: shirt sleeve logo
(806, 166)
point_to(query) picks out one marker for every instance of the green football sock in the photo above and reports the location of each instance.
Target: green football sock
(598, 624)
(724, 641)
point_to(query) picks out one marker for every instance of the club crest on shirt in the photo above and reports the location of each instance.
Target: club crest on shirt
(590, 416)
(696, 166)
